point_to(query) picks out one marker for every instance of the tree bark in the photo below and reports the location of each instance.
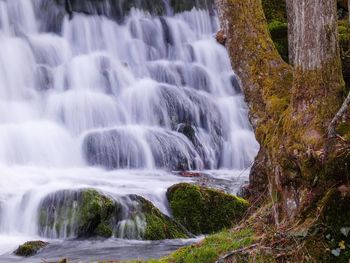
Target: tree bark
(344, 110)
(291, 108)
(318, 82)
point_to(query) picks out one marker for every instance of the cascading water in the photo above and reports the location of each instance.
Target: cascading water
(89, 101)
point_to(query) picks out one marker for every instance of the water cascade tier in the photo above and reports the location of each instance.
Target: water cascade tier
(116, 96)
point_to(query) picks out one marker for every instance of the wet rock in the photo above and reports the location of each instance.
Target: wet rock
(235, 84)
(81, 213)
(51, 15)
(221, 37)
(195, 76)
(88, 213)
(53, 11)
(157, 226)
(113, 149)
(30, 248)
(190, 174)
(172, 151)
(202, 210)
(44, 78)
(189, 131)
(120, 148)
(185, 5)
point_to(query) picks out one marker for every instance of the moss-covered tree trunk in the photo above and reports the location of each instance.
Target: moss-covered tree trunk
(291, 107)
(266, 78)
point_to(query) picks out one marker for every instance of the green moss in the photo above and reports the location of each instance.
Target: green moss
(275, 10)
(158, 225)
(344, 44)
(202, 210)
(95, 210)
(342, 29)
(30, 248)
(277, 105)
(279, 35)
(344, 36)
(278, 29)
(211, 248)
(343, 130)
(82, 213)
(159, 228)
(104, 230)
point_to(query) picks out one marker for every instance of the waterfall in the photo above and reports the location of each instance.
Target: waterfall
(111, 101)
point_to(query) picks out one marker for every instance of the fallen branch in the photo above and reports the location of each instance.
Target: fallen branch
(222, 259)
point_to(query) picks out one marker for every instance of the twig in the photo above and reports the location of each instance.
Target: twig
(333, 125)
(222, 259)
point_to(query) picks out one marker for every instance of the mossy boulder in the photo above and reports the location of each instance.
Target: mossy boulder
(88, 213)
(30, 248)
(82, 213)
(157, 226)
(202, 210)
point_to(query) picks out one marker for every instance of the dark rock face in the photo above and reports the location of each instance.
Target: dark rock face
(203, 210)
(113, 149)
(167, 149)
(30, 248)
(121, 149)
(44, 78)
(183, 5)
(55, 10)
(112, 8)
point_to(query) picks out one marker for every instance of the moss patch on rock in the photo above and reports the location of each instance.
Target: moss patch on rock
(30, 248)
(157, 225)
(82, 213)
(88, 213)
(203, 210)
(95, 213)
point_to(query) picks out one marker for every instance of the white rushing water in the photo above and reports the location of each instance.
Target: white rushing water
(112, 106)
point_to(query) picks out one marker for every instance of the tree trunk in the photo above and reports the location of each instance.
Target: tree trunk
(266, 78)
(291, 108)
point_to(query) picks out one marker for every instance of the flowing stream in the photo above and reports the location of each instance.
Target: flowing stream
(115, 104)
